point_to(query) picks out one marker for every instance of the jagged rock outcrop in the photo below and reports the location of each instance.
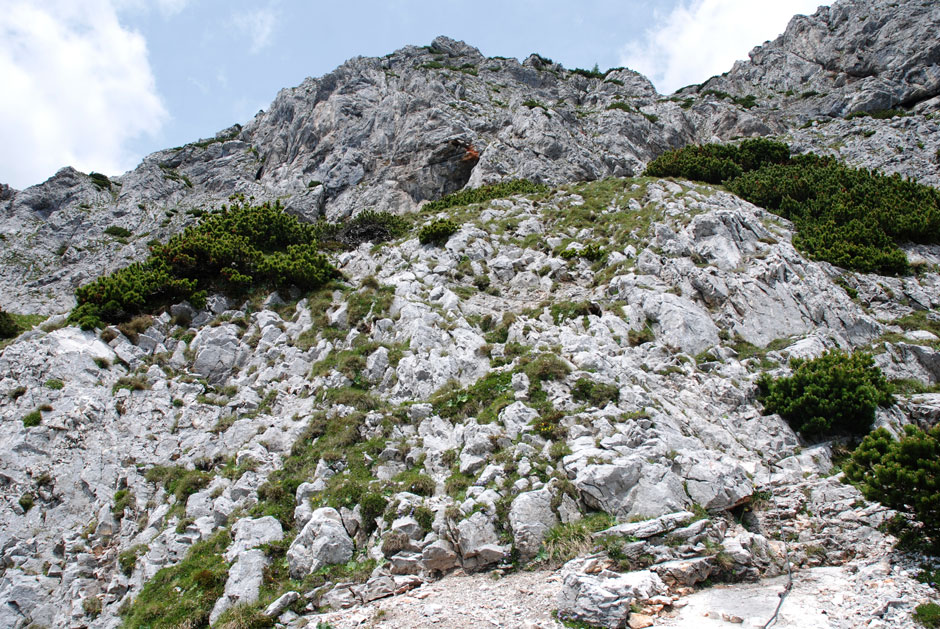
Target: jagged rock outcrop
(853, 56)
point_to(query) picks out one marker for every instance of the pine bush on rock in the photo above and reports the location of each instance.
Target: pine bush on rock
(833, 394)
(233, 250)
(902, 474)
(8, 327)
(853, 218)
(437, 232)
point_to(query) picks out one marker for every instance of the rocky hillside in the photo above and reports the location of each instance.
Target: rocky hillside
(566, 381)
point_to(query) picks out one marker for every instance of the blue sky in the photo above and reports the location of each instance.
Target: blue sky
(101, 83)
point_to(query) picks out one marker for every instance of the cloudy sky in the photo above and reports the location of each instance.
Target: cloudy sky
(98, 84)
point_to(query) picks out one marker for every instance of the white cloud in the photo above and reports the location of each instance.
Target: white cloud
(77, 86)
(168, 8)
(258, 25)
(701, 38)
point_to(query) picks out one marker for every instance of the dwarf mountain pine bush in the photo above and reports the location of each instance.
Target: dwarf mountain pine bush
(835, 393)
(232, 250)
(8, 327)
(437, 232)
(853, 218)
(903, 474)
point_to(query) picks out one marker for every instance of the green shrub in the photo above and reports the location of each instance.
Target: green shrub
(484, 194)
(928, 615)
(437, 232)
(232, 250)
(533, 104)
(621, 106)
(31, 419)
(880, 114)
(590, 74)
(8, 326)
(27, 501)
(716, 163)
(901, 474)
(852, 218)
(178, 481)
(595, 393)
(368, 226)
(118, 232)
(101, 181)
(591, 251)
(55, 384)
(835, 393)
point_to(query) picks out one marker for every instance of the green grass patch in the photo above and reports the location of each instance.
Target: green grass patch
(182, 595)
(178, 481)
(12, 325)
(484, 194)
(32, 419)
(927, 615)
(567, 541)
(595, 393)
(484, 399)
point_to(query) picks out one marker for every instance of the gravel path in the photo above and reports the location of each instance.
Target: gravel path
(523, 600)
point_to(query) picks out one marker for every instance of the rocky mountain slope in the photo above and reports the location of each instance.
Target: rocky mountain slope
(497, 401)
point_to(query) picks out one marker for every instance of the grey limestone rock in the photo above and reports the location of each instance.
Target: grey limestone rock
(251, 533)
(243, 584)
(478, 542)
(530, 517)
(322, 542)
(605, 601)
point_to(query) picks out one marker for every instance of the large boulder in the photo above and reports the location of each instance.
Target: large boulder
(530, 517)
(478, 542)
(217, 352)
(322, 542)
(605, 602)
(631, 488)
(250, 533)
(243, 584)
(680, 323)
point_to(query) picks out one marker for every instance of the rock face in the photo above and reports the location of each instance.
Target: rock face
(852, 56)
(467, 406)
(322, 542)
